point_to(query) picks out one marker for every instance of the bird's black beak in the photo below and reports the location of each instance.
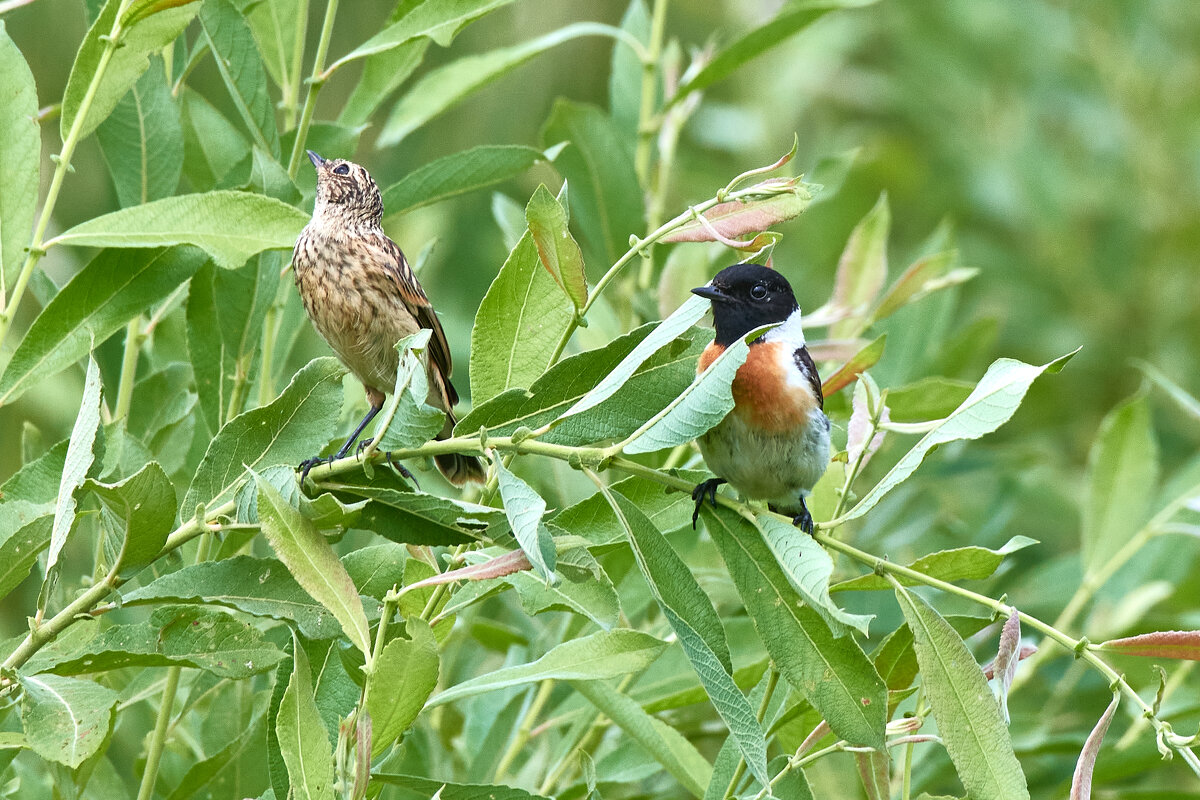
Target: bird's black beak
(315, 159)
(711, 292)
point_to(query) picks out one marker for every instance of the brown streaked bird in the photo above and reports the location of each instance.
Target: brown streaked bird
(774, 444)
(363, 297)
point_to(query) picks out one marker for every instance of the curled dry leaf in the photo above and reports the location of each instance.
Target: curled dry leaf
(738, 218)
(1027, 650)
(507, 564)
(1007, 657)
(1159, 644)
(1081, 781)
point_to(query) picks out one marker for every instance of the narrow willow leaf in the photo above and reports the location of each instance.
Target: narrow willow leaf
(737, 218)
(874, 770)
(1122, 473)
(399, 684)
(927, 399)
(1081, 780)
(440, 22)
(607, 206)
(213, 221)
(417, 517)
(226, 760)
(584, 589)
(407, 420)
(20, 159)
(665, 744)
(457, 174)
(701, 406)
(923, 276)
(832, 673)
(185, 636)
(145, 505)
(698, 627)
(25, 531)
(1181, 396)
(142, 141)
(312, 563)
(234, 52)
(75, 468)
(277, 26)
(1007, 658)
(382, 73)
(441, 88)
(142, 37)
(668, 330)
(261, 587)
(960, 564)
(594, 520)
(861, 270)
(1159, 644)
(211, 143)
(809, 568)
(791, 19)
(598, 656)
(992, 403)
(427, 787)
(302, 740)
(293, 427)
(518, 326)
(967, 715)
(863, 360)
(66, 720)
(525, 510)
(558, 251)
(625, 70)
(97, 302)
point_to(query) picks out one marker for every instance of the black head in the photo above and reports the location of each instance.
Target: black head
(745, 297)
(346, 187)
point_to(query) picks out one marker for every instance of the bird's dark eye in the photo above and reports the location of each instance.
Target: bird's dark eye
(759, 292)
(341, 169)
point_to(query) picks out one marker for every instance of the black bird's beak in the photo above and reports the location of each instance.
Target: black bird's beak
(711, 292)
(315, 159)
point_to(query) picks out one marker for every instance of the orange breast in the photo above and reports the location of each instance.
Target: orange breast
(762, 393)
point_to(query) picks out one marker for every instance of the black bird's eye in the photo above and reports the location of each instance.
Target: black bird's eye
(759, 292)
(341, 169)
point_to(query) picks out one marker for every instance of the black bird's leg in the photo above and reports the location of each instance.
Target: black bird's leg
(308, 463)
(403, 470)
(803, 520)
(708, 487)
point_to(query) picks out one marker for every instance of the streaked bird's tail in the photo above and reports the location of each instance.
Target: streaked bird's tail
(459, 469)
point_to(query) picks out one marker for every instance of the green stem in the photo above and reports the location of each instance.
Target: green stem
(8, 308)
(522, 738)
(906, 779)
(266, 386)
(133, 346)
(291, 93)
(646, 128)
(314, 87)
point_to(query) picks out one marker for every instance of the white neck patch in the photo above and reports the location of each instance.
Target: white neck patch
(791, 332)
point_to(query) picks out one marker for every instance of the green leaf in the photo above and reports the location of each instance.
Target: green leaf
(201, 773)
(142, 37)
(831, 672)
(441, 88)
(20, 159)
(66, 720)
(992, 403)
(668, 330)
(211, 144)
(184, 636)
(809, 568)
(75, 468)
(302, 740)
(518, 325)
(402, 679)
(961, 563)
(312, 562)
(295, 425)
(625, 72)
(794, 17)
(924, 276)
(145, 506)
(417, 517)
(585, 589)
(606, 199)
(24, 533)
(142, 141)
(261, 587)
(665, 744)
(456, 174)
(37, 481)
(381, 74)
(427, 787)
(967, 714)
(439, 21)
(927, 399)
(278, 28)
(98, 301)
(407, 420)
(1122, 475)
(702, 405)
(594, 520)
(237, 60)
(861, 271)
(525, 510)
(861, 361)
(225, 312)
(698, 627)
(558, 251)
(213, 221)
(601, 655)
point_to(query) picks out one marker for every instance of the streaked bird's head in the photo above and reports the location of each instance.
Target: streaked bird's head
(346, 192)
